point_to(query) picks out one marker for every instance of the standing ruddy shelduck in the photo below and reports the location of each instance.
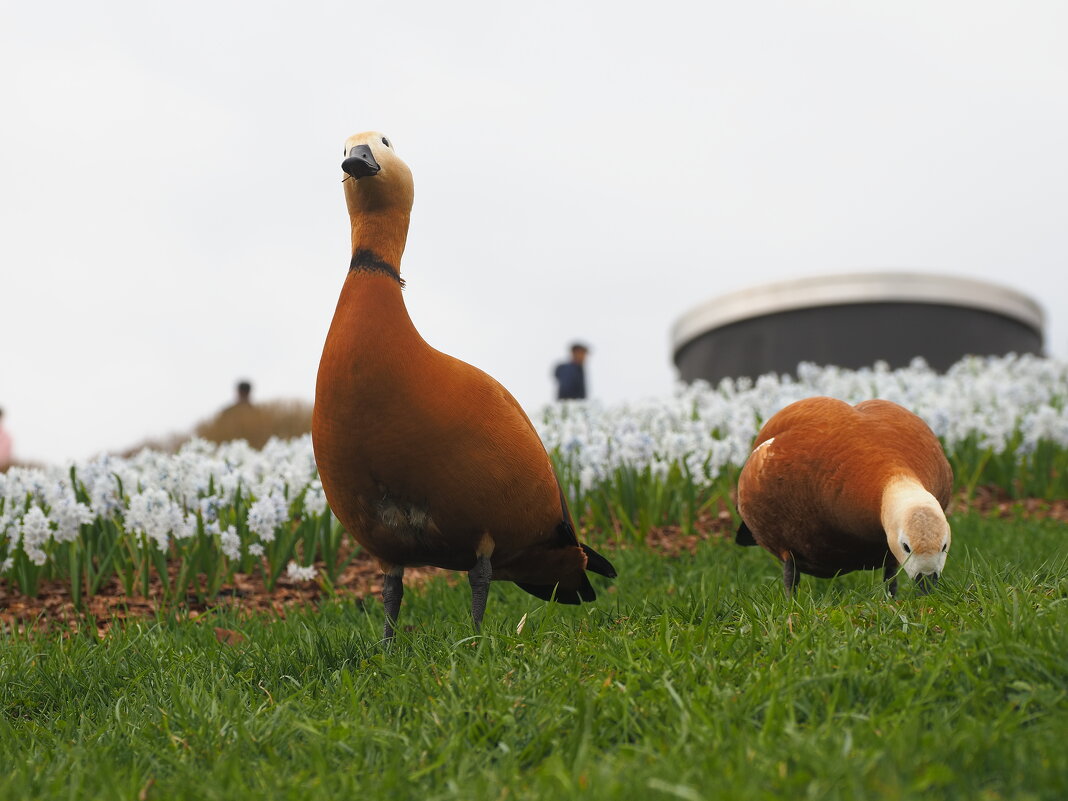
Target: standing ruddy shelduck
(830, 488)
(425, 459)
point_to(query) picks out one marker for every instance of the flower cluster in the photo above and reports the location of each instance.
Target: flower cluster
(239, 499)
(1007, 405)
(220, 508)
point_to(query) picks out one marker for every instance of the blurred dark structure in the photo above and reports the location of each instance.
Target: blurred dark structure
(853, 320)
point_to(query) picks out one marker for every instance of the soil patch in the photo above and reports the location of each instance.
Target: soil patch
(53, 608)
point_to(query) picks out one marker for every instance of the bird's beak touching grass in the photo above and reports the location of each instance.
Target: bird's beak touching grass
(926, 582)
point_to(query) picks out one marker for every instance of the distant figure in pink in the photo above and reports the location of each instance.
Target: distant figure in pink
(5, 445)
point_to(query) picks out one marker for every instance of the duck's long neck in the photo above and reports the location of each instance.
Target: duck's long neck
(901, 496)
(371, 302)
(914, 521)
(381, 234)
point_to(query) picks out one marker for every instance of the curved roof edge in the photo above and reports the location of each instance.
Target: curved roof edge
(849, 288)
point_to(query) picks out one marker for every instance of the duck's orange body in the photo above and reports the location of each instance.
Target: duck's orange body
(425, 459)
(831, 488)
(421, 454)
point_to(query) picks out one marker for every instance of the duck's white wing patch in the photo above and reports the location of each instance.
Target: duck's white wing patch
(755, 463)
(763, 444)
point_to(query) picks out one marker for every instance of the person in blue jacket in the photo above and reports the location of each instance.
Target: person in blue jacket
(571, 376)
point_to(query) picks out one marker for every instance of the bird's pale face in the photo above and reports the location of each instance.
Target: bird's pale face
(375, 176)
(921, 544)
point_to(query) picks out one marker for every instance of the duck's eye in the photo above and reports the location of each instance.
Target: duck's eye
(945, 547)
(386, 142)
(905, 545)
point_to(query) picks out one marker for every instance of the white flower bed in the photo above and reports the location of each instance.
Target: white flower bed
(162, 495)
(161, 499)
(708, 428)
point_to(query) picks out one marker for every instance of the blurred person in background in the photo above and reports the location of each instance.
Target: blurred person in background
(571, 375)
(5, 445)
(256, 423)
(239, 420)
(244, 393)
(241, 410)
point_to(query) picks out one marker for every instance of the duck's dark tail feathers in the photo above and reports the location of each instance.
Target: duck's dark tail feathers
(597, 563)
(744, 535)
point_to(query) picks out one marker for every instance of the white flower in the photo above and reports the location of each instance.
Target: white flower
(295, 572)
(209, 508)
(154, 514)
(36, 530)
(231, 544)
(266, 514)
(69, 517)
(256, 549)
(314, 499)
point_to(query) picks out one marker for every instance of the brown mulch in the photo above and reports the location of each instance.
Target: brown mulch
(54, 609)
(671, 540)
(995, 502)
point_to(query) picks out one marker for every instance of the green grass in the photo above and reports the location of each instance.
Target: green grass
(694, 679)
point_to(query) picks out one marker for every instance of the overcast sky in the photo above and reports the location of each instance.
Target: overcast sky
(172, 219)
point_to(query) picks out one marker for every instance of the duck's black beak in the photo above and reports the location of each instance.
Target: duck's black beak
(927, 582)
(360, 163)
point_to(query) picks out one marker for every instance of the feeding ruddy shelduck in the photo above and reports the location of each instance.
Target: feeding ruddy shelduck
(830, 488)
(425, 459)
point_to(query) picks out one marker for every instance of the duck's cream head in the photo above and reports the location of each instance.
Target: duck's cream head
(375, 176)
(378, 191)
(917, 531)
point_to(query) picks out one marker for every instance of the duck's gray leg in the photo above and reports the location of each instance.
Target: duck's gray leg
(479, 576)
(392, 592)
(791, 576)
